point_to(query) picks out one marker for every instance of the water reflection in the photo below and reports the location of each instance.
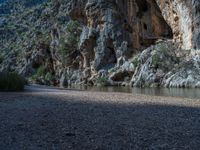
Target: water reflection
(175, 92)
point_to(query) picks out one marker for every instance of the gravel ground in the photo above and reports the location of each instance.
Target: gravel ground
(57, 119)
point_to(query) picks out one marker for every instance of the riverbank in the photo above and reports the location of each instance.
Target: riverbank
(53, 118)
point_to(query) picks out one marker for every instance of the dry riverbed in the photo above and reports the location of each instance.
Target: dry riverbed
(57, 119)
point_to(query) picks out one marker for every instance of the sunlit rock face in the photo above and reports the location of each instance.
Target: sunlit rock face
(196, 23)
(116, 28)
(183, 16)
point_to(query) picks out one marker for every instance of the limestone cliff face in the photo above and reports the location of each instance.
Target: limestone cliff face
(120, 42)
(117, 28)
(142, 21)
(183, 16)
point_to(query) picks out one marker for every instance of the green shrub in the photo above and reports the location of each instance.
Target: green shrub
(136, 62)
(155, 60)
(67, 46)
(162, 47)
(41, 71)
(49, 77)
(69, 43)
(11, 82)
(1, 58)
(42, 76)
(73, 26)
(102, 81)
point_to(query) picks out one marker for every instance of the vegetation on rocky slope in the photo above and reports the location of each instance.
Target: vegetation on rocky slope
(69, 43)
(38, 37)
(57, 41)
(11, 82)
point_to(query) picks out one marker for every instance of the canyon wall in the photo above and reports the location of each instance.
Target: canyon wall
(117, 28)
(144, 20)
(114, 42)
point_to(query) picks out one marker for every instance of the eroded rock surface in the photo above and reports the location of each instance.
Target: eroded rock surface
(117, 28)
(186, 75)
(183, 16)
(112, 42)
(153, 63)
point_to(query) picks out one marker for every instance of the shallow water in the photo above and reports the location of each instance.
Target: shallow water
(174, 92)
(193, 93)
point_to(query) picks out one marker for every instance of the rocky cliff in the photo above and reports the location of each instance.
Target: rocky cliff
(183, 17)
(107, 42)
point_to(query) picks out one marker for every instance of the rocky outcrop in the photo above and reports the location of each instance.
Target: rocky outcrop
(153, 64)
(186, 75)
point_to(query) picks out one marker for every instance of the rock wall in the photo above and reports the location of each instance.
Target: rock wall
(115, 42)
(196, 23)
(117, 28)
(183, 16)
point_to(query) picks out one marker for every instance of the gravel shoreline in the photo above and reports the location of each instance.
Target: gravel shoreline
(48, 118)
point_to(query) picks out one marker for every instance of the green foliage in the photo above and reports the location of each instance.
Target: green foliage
(72, 41)
(102, 81)
(162, 47)
(69, 43)
(49, 77)
(63, 50)
(62, 19)
(1, 58)
(161, 50)
(73, 26)
(41, 71)
(44, 41)
(136, 62)
(46, 4)
(155, 60)
(42, 76)
(73, 29)
(11, 82)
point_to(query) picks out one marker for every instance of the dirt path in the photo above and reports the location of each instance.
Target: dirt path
(54, 119)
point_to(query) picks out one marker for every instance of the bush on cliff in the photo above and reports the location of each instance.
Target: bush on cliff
(1, 58)
(11, 82)
(69, 43)
(102, 81)
(43, 76)
(41, 71)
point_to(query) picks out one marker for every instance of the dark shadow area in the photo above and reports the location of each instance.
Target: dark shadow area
(153, 25)
(36, 121)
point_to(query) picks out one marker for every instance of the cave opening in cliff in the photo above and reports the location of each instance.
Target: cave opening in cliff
(112, 58)
(142, 6)
(145, 26)
(161, 29)
(153, 26)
